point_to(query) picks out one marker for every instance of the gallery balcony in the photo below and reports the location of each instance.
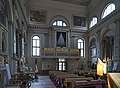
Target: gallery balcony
(60, 52)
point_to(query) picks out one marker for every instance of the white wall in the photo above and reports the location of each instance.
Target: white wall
(54, 8)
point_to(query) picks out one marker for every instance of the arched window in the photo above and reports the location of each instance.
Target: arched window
(35, 45)
(93, 22)
(59, 23)
(108, 9)
(81, 46)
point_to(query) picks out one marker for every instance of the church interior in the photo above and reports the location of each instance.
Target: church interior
(71, 43)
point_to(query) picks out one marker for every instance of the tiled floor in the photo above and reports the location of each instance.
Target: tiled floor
(42, 82)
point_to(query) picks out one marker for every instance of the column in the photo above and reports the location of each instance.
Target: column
(117, 40)
(72, 41)
(50, 36)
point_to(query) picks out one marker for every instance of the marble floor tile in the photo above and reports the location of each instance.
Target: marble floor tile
(41, 82)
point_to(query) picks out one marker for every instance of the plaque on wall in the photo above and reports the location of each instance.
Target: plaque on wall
(79, 21)
(38, 16)
(61, 39)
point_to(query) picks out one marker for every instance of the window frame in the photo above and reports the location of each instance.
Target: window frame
(93, 23)
(63, 65)
(81, 49)
(105, 8)
(36, 47)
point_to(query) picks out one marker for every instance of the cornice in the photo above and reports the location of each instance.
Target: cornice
(38, 27)
(79, 31)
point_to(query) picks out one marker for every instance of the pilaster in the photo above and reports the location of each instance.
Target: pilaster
(117, 40)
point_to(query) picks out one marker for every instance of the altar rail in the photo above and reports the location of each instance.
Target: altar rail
(60, 52)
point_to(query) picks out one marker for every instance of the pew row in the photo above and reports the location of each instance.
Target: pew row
(64, 78)
(81, 78)
(86, 83)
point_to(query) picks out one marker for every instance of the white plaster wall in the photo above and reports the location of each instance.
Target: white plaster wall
(58, 8)
(49, 64)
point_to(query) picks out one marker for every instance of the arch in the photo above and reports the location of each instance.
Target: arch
(110, 27)
(110, 7)
(59, 17)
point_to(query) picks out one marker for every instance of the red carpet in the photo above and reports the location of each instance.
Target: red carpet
(55, 83)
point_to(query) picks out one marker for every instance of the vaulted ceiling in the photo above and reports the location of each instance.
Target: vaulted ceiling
(78, 2)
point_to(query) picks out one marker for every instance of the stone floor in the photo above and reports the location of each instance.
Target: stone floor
(42, 82)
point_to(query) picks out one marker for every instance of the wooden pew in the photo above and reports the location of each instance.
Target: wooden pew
(85, 83)
(81, 78)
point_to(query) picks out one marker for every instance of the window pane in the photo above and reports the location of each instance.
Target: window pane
(60, 67)
(108, 10)
(82, 53)
(61, 59)
(60, 64)
(81, 45)
(34, 42)
(59, 23)
(64, 24)
(38, 43)
(54, 24)
(78, 45)
(63, 66)
(80, 40)
(34, 51)
(38, 51)
(35, 37)
(93, 22)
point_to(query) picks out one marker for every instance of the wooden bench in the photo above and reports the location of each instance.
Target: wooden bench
(85, 83)
(81, 78)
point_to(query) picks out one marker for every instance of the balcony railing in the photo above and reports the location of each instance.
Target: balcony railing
(60, 52)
